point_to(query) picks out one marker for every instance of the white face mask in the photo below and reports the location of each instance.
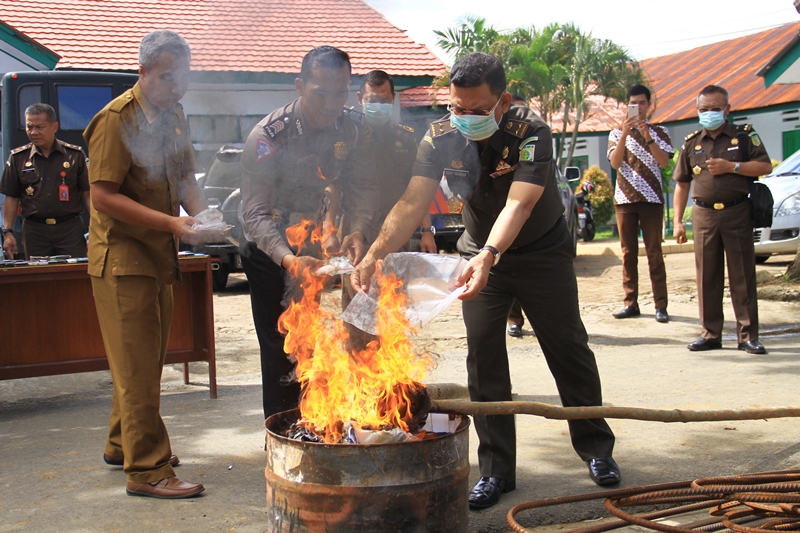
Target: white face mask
(476, 127)
(377, 114)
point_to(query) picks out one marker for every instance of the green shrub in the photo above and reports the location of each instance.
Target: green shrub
(602, 199)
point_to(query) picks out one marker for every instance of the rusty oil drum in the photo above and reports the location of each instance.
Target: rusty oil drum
(417, 486)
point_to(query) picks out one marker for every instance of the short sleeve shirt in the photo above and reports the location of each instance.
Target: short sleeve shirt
(699, 147)
(147, 152)
(639, 176)
(35, 179)
(521, 150)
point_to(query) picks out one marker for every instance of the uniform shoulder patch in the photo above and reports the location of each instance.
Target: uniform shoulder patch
(441, 127)
(355, 116)
(276, 126)
(409, 129)
(691, 135)
(21, 149)
(517, 128)
(72, 146)
(747, 127)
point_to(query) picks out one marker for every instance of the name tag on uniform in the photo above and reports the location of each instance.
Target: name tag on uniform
(456, 174)
(733, 148)
(27, 170)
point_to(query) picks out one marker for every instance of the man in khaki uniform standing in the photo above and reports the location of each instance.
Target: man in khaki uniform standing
(142, 171)
(721, 160)
(49, 180)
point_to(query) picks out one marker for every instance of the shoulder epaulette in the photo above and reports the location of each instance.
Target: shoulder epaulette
(409, 129)
(355, 116)
(21, 148)
(72, 146)
(276, 126)
(693, 134)
(517, 128)
(441, 127)
(117, 104)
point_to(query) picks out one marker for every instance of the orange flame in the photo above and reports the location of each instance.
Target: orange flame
(308, 233)
(371, 387)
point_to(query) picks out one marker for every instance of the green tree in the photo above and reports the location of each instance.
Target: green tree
(472, 35)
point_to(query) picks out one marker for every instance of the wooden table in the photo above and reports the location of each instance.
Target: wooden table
(50, 323)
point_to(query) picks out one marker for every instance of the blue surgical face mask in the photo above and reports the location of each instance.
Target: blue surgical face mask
(377, 114)
(475, 127)
(711, 120)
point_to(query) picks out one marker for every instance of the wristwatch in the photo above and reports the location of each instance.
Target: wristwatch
(7, 230)
(494, 251)
(431, 230)
(736, 168)
(651, 141)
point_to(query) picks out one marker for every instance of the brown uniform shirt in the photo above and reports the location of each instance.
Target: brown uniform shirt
(521, 150)
(35, 179)
(700, 146)
(286, 168)
(147, 152)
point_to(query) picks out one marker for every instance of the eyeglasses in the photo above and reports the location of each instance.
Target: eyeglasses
(456, 110)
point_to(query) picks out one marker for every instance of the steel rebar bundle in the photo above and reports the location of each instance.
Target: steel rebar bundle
(751, 503)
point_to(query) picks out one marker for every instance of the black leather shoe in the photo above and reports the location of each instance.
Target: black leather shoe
(627, 312)
(487, 491)
(173, 460)
(702, 345)
(514, 330)
(661, 315)
(753, 347)
(604, 470)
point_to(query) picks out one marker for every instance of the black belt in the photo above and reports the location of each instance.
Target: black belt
(721, 205)
(53, 220)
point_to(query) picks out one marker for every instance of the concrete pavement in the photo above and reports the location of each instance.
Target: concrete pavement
(52, 429)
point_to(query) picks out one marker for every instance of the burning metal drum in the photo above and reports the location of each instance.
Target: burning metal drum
(415, 486)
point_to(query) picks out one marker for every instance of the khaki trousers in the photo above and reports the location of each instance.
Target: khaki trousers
(650, 218)
(135, 313)
(726, 236)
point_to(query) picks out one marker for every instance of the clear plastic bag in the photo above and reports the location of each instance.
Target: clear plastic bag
(429, 284)
(210, 220)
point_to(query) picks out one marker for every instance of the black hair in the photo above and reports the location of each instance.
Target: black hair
(711, 89)
(323, 57)
(637, 89)
(42, 109)
(478, 68)
(517, 98)
(376, 78)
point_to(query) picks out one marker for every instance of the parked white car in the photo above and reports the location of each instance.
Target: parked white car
(784, 235)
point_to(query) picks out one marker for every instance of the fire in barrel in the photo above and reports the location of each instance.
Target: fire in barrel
(357, 455)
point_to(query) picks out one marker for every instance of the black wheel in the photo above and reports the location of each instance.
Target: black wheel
(761, 259)
(587, 233)
(219, 278)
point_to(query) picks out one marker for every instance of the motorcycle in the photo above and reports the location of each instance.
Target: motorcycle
(585, 214)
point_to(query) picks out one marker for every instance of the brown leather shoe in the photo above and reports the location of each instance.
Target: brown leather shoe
(169, 488)
(173, 460)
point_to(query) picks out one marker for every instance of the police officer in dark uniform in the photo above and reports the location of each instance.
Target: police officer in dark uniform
(722, 160)
(49, 180)
(297, 163)
(499, 160)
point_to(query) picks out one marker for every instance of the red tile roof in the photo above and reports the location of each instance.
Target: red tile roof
(225, 35)
(733, 64)
(424, 97)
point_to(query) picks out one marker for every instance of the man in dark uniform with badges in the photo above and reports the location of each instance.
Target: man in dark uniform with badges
(722, 160)
(297, 162)
(49, 180)
(499, 160)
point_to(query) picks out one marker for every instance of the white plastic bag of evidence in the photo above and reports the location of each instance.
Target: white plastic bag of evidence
(430, 286)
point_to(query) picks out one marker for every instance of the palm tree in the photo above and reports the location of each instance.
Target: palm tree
(472, 35)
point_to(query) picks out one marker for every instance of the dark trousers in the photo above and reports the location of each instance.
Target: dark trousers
(650, 218)
(543, 281)
(280, 391)
(64, 238)
(720, 236)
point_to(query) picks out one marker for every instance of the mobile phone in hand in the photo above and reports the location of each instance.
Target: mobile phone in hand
(633, 110)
